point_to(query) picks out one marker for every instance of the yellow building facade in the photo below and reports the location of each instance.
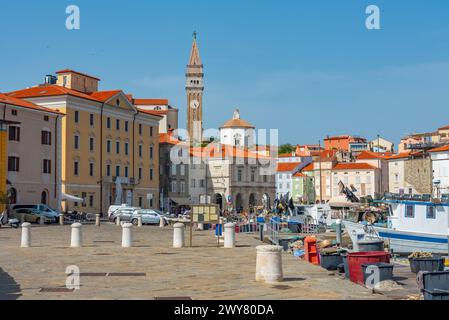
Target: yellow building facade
(109, 146)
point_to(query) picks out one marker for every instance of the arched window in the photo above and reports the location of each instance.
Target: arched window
(44, 197)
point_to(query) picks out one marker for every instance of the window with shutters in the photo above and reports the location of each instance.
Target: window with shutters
(13, 164)
(14, 133)
(46, 138)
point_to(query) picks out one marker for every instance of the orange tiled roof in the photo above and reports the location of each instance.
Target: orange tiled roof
(168, 139)
(365, 155)
(73, 71)
(286, 166)
(444, 128)
(440, 149)
(151, 112)
(150, 102)
(48, 91)
(237, 123)
(104, 95)
(155, 112)
(23, 103)
(353, 166)
(224, 152)
(299, 174)
(309, 167)
(325, 154)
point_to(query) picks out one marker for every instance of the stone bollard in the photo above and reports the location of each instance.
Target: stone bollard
(127, 235)
(76, 239)
(26, 235)
(61, 219)
(41, 220)
(161, 222)
(97, 219)
(269, 264)
(201, 226)
(178, 235)
(117, 221)
(139, 220)
(229, 235)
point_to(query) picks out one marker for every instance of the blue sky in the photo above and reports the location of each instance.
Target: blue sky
(309, 68)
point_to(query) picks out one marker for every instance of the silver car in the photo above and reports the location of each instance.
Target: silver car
(149, 216)
(125, 214)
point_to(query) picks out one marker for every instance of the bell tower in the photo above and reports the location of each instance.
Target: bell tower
(194, 91)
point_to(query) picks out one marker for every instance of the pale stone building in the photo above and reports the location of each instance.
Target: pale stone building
(33, 152)
(410, 173)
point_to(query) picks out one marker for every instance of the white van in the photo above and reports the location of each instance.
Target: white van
(114, 208)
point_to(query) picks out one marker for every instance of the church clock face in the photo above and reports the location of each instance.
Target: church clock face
(194, 104)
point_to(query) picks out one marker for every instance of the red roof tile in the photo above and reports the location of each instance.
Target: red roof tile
(48, 91)
(299, 174)
(287, 166)
(168, 139)
(225, 152)
(150, 102)
(353, 166)
(366, 155)
(152, 112)
(440, 149)
(104, 95)
(309, 167)
(23, 103)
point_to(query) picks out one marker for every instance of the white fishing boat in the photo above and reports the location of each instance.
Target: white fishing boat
(412, 225)
(312, 214)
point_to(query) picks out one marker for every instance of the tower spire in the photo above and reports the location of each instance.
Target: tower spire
(194, 91)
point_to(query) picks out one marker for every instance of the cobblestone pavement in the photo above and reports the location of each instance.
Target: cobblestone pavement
(201, 272)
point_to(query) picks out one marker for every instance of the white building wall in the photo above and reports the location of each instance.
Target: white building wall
(227, 136)
(440, 167)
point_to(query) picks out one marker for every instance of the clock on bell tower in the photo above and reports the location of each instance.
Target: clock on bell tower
(194, 91)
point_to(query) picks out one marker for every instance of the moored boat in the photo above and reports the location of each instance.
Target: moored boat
(413, 224)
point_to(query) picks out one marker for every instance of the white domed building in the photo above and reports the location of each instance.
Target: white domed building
(237, 132)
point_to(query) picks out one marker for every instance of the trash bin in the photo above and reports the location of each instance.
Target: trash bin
(330, 261)
(385, 271)
(426, 264)
(356, 259)
(284, 244)
(436, 285)
(371, 245)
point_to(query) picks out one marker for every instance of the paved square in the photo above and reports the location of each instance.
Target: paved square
(153, 269)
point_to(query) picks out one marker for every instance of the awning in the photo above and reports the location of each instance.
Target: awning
(69, 197)
(182, 201)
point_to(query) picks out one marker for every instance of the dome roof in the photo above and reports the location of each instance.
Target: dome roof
(236, 122)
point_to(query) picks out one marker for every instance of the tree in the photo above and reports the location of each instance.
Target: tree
(286, 148)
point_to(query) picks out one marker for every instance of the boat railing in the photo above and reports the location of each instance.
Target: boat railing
(415, 197)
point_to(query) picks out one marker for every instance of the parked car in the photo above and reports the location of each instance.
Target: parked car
(40, 207)
(32, 215)
(149, 216)
(125, 214)
(114, 208)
